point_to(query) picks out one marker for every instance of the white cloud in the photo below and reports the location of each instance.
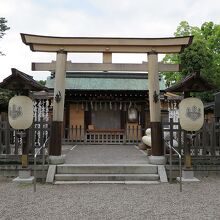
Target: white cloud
(114, 18)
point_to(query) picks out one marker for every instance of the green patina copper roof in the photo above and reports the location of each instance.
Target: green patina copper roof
(106, 81)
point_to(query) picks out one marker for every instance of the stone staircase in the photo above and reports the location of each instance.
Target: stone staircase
(108, 173)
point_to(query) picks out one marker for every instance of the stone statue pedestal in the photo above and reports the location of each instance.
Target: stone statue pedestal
(24, 176)
(188, 176)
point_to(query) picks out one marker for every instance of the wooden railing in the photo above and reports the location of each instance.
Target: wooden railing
(78, 135)
(105, 136)
(11, 142)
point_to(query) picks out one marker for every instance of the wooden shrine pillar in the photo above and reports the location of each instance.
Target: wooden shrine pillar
(58, 104)
(154, 101)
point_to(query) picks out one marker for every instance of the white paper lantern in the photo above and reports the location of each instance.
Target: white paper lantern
(20, 112)
(191, 114)
(132, 115)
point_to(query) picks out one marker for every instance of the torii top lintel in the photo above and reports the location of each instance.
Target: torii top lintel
(102, 45)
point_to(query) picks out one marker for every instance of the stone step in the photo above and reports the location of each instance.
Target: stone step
(106, 177)
(105, 182)
(107, 169)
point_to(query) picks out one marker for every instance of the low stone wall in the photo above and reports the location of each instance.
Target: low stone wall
(199, 171)
(12, 170)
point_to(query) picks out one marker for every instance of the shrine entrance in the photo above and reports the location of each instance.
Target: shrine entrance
(107, 46)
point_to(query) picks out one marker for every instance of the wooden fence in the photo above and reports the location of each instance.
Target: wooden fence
(78, 135)
(11, 141)
(205, 144)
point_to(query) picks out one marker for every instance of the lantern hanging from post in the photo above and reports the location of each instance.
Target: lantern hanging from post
(132, 115)
(191, 112)
(20, 112)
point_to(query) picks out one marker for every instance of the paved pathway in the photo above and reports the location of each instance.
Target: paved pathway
(104, 154)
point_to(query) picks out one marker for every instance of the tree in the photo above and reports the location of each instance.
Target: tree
(196, 58)
(42, 82)
(5, 96)
(202, 56)
(3, 28)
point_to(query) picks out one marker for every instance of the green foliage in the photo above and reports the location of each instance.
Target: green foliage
(203, 55)
(184, 29)
(3, 28)
(5, 96)
(205, 96)
(172, 77)
(195, 58)
(42, 82)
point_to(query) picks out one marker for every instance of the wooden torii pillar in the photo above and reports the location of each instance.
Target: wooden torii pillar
(107, 46)
(58, 104)
(155, 113)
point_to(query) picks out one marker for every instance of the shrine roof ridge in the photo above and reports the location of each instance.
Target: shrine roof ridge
(193, 82)
(105, 83)
(22, 81)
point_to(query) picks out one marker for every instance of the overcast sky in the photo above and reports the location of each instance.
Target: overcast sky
(95, 18)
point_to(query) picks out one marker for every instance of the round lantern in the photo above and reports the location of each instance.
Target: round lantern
(191, 114)
(20, 112)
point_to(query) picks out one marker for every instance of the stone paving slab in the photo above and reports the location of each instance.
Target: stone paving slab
(104, 154)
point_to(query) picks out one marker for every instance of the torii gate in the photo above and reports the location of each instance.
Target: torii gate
(63, 45)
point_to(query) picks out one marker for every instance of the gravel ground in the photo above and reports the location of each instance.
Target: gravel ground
(111, 201)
